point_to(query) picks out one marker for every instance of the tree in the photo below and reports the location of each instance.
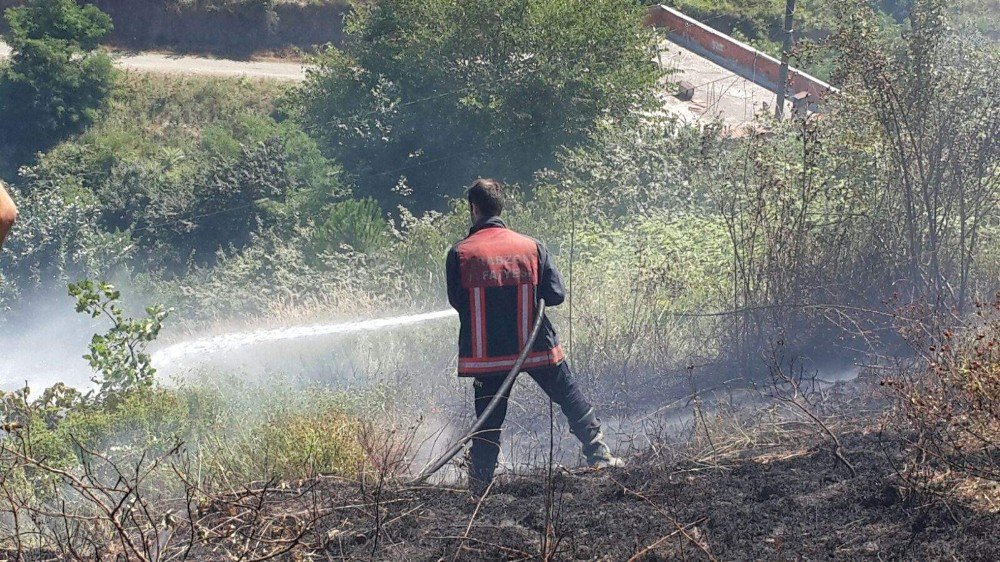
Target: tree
(56, 81)
(935, 104)
(427, 94)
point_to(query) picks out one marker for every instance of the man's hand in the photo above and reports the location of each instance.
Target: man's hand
(8, 213)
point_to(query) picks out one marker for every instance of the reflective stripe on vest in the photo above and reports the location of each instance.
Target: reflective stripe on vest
(471, 366)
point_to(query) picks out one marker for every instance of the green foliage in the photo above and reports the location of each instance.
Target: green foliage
(754, 19)
(276, 274)
(61, 21)
(427, 94)
(118, 356)
(632, 224)
(229, 432)
(55, 83)
(642, 165)
(321, 439)
(235, 434)
(171, 126)
(56, 239)
(176, 170)
(149, 422)
(933, 108)
(357, 223)
(237, 198)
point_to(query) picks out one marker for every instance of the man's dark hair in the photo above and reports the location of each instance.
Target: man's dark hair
(487, 194)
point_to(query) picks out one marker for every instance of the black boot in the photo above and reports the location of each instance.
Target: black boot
(480, 479)
(483, 463)
(588, 430)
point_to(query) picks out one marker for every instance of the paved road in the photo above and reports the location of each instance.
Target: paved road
(186, 65)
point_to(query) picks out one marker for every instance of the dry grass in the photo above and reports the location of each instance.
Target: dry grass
(951, 409)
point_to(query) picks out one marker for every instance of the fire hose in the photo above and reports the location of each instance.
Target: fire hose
(500, 395)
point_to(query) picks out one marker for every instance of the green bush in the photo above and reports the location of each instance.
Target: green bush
(56, 240)
(234, 199)
(425, 95)
(118, 356)
(357, 223)
(230, 433)
(56, 81)
(323, 439)
(175, 166)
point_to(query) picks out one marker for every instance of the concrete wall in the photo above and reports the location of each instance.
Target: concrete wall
(732, 54)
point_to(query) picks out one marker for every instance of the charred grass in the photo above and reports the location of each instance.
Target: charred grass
(750, 483)
(755, 482)
(792, 501)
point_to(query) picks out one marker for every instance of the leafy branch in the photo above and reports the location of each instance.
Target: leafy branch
(118, 356)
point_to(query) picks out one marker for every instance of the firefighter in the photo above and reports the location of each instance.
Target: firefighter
(495, 278)
(8, 213)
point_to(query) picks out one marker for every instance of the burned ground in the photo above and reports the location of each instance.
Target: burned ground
(792, 501)
(746, 483)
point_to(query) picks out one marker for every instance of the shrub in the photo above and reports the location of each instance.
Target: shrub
(641, 165)
(56, 239)
(275, 274)
(357, 223)
(228, 433)
(319, 441)
(56, 82)
(182, 165)
(425, 95)
(952, 407)
(118, 356)
(933, 113)
(237, 198)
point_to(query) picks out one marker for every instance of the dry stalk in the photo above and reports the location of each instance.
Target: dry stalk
(681, 529)
(792, 394)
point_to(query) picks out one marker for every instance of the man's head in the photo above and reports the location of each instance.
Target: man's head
(485, 199)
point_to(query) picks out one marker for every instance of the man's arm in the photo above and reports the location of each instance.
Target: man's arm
(454, 281)
(8, 213)
(550, 286)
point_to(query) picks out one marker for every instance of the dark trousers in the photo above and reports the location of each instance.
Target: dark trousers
(557, 382)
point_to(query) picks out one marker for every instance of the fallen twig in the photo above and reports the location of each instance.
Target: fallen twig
(661, 540)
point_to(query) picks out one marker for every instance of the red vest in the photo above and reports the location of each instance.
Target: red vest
(500, 270)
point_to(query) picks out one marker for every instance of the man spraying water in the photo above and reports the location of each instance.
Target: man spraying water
(495, 280)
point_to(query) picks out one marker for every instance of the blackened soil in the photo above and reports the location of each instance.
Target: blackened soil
(789, 503)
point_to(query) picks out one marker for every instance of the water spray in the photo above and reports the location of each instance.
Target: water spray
(237, 340)
(500, 395)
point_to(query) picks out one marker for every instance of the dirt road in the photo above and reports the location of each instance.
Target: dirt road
(176, 64)
(718, 95)
(166, 63)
